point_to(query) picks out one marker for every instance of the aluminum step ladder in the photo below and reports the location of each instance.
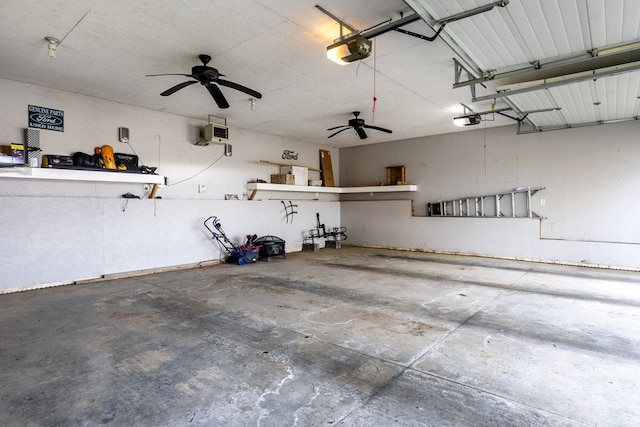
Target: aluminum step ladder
(511, 204)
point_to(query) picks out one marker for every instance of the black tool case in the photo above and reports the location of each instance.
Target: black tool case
(270, 246)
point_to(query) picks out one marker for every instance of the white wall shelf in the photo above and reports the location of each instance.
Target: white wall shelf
(81, 175)
(257, 186)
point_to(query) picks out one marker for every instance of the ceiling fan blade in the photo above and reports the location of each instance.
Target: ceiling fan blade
(177, 88)
(156, 75)
(338, 127)
(241, 88)
(361, 133)
(378, 128)
(217, 95)
(335, 133)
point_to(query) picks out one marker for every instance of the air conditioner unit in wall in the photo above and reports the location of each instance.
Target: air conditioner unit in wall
(216, 134)
(213, 134)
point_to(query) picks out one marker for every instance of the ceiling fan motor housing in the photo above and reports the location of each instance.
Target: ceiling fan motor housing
(356, 123)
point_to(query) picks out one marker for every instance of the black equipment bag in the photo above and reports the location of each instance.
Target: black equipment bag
(84, 160)
(128, 160)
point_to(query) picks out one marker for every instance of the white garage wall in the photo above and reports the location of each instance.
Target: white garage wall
(57, 240)
(59, 232)
(590, 176)
(63, 231)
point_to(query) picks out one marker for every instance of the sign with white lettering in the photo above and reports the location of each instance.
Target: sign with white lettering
(46, 118)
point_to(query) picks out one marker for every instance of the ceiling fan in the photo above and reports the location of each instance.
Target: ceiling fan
(358, 125)
(208, 77)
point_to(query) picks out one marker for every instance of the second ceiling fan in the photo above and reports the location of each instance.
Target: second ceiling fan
(359, 126)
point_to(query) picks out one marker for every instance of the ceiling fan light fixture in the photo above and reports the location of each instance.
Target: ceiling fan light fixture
(349, 49)
(467, 120)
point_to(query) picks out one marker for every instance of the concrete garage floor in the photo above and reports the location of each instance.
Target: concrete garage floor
(352, 336)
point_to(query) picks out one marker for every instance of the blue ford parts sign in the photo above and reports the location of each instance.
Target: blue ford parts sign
(46, 118)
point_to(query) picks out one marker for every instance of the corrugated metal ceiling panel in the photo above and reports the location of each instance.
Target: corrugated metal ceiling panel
(602, 100)
(539, 100)
(576, 101)
(613, 21)
(513, 37)
(526, 30)
(618, 96)
(481, 38)
(532, 101)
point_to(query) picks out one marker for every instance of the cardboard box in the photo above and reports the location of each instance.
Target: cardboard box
(396, 175)
(300, 173)
(283, 178)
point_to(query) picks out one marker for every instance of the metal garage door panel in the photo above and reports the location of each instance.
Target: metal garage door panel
(481, 38)
(602, 100)
(618, 96)
(513, 37)
(521, 32)
(577, 102)
(613, 21)
(539, 100)
(533, 101)
(527, 30)
(588, 102)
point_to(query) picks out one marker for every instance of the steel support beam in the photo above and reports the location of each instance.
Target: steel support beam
(532, 86)
(597, 58)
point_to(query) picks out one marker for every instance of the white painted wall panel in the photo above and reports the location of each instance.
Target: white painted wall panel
(470, 236)
(590, 175)
(60, 232)
(62, 240)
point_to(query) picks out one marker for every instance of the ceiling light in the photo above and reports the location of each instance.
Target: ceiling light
(349, 49)
(468, 120)
(53, 44)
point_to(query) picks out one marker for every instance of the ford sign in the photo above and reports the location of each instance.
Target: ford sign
(46, 118)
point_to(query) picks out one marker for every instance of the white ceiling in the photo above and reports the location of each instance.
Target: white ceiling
(277, 47)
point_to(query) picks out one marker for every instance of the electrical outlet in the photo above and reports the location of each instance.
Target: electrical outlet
(543, 202)
(202, 188)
